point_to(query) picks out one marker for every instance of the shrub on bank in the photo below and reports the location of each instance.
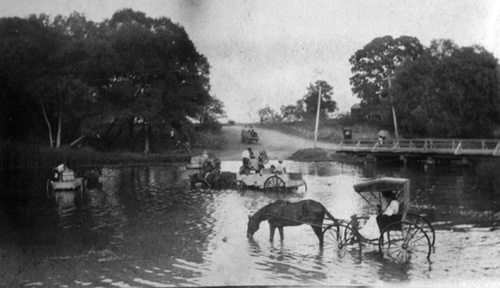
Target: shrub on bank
(22, 155)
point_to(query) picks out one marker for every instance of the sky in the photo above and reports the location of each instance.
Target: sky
(267, 53)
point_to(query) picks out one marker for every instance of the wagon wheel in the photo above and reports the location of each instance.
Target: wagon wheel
(48, 188)
(341, 239)
(274, 183)
(239, 185)
(424, 224)
(402, 241)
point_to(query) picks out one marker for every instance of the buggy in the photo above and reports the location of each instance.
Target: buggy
(408, 236)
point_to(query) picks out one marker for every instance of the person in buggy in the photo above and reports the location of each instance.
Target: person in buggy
(387, 213)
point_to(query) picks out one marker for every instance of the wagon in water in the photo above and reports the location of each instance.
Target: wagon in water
(63, 179)
(270, 181)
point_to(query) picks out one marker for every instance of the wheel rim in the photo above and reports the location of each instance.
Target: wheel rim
(341, 240)
(424, 224)
(48, 188)
(274, 183)
(404, 241)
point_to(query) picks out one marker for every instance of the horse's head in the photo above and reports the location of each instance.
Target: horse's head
(253, 226)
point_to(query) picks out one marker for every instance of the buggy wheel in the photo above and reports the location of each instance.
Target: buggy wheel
(402, 241)
(274, 183)
(423, 223)
(239, 185)
(341, 239)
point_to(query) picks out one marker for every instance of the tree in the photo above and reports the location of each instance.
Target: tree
(167, 78)
(450, 92)
(126, 71)
(268, 115)
(26, 46)
(310, 100)
(378, 60)
(291, 113)
(211, 113)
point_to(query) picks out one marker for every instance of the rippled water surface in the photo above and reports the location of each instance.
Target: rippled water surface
(143, 227)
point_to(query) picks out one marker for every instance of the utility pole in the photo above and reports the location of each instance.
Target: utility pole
(317, 117)
(392, 106)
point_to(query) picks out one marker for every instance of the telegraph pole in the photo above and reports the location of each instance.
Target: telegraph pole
(317, 117)
(392, 106)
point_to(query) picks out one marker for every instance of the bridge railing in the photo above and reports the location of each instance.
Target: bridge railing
(446, 146)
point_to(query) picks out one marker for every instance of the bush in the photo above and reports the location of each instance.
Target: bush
(210, 141)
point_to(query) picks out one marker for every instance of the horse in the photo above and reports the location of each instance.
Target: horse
(283, 213)
(213, 180)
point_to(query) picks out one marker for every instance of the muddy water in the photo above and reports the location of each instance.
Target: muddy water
(142, 227)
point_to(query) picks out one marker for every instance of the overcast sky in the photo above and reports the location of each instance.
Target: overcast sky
(268, 52)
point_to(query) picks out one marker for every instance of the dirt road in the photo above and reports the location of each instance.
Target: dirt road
(277, 145)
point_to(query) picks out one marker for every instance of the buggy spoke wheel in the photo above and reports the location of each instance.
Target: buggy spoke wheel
(423, 223)
(239, 185)
(274, 183)
(341, 239)
(404, 241)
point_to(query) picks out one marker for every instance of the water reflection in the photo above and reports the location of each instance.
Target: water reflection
(137, 227)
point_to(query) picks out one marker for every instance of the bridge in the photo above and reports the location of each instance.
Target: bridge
(423, 148)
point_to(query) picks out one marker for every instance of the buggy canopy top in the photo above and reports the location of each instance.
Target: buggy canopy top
(376, 186)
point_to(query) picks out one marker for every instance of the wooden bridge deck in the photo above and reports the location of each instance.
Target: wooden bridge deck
(422, 147)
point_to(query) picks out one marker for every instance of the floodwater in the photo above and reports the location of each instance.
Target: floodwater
(142, 227)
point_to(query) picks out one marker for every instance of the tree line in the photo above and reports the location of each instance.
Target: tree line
(442, 91)
(305, 108)
(116, 80)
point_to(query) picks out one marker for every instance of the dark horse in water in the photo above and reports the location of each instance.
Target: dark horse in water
(283, 213)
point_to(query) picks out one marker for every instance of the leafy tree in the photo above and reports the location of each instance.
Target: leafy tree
(126, 71)
(25, 45)
(378, 60)
(450, 92)
(292, 113)
(165, 78)
(268, 115)
(310, 100)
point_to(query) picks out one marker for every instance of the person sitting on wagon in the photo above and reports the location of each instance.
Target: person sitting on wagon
(260, 163)
(245, 156)
(58, 172)
(279, 168)
(389, 211)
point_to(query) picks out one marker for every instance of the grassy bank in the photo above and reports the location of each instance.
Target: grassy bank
(20, 155)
